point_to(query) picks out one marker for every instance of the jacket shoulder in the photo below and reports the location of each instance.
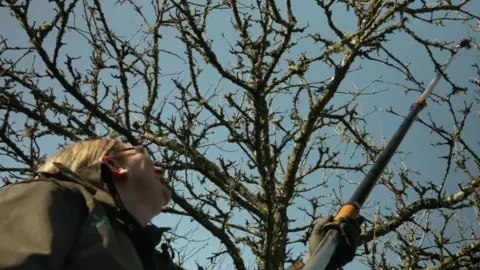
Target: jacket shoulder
(43, 218)
(48, 189)
(42, 186)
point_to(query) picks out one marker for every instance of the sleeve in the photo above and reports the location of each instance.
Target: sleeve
(38, 225)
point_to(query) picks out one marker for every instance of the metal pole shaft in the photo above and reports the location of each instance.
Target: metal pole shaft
(327, 247)
(364, 189)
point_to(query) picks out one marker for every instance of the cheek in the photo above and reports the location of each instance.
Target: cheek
(142, 179)
(147, 172)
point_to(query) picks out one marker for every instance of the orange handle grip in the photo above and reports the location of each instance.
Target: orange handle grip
(348, 210)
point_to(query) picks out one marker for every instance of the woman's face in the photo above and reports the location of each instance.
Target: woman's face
(144, 178)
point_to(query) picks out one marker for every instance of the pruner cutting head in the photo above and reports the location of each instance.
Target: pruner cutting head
(465, 43)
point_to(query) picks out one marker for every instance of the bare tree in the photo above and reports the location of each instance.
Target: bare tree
(259, 134)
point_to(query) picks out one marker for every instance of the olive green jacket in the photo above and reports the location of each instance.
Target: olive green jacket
(68, 221)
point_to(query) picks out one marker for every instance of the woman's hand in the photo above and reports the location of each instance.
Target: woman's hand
(350, 231)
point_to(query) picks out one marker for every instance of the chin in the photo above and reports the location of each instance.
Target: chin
(158, 211)
(161, 203)
(157, 207)
(166, 194)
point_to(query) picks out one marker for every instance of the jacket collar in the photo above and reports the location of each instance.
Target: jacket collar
(95, 178)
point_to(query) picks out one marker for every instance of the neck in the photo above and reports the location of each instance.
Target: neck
(136, 206)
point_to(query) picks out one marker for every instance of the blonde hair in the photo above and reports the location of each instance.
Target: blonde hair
(79, 155)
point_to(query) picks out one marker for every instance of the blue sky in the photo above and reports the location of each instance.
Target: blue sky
(422, 156)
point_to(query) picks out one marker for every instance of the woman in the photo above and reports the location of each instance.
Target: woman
(89, 207)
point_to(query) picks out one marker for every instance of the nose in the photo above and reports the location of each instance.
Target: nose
(159, 170)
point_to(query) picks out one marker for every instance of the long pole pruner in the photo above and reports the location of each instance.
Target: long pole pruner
(325, 250)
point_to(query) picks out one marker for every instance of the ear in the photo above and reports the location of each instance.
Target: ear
(117, 171)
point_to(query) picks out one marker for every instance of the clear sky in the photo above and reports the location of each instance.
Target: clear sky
(422, 156)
